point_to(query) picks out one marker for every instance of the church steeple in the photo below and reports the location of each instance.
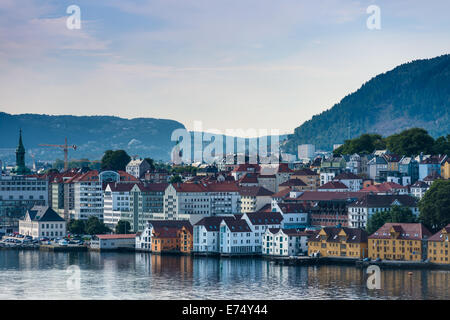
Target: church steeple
(20, 168)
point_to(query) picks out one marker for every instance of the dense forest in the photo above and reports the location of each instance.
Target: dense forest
(408, 142)
(415, 94)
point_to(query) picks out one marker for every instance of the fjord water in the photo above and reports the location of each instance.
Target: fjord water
(94, 275)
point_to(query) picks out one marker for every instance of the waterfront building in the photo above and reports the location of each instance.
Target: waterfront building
(165, 236)
(438, 246)
(236, 238)
(137, 167)
(339, 242)
(42, 221)
(399, 241)
(259, 222)
(285, 242)
(206, 234)
(113, 241)
(361, 210)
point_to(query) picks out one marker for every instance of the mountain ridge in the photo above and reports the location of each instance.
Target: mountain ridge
(413, 94)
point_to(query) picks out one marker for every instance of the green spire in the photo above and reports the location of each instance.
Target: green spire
(20, 168)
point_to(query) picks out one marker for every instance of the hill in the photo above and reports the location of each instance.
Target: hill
(414, 94)
(146, 137)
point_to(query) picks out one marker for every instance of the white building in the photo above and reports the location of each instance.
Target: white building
(236, 238)
(116, 202)
(353, 182)
(285, 242)
(254, 198)
(198, 200)
(419, 188)
(326, 177)
(361, 210)
(137, 167)
(113, 241)
(18, 194)
(42, 221)
(143, 240)
(207, 234)
(294, 215)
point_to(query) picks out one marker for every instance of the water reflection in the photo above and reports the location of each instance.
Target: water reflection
(44, 275)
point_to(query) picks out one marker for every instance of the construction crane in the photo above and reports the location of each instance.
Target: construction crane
(65, 147)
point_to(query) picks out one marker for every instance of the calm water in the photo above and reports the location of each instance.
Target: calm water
(47, 275)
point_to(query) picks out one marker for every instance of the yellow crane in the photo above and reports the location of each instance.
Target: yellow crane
(65, 147)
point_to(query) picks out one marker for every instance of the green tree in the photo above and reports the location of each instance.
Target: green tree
(434, 207)
(175, 179)
(123, 227)
(410, 142)
(77, 227)
(115, 160)
(396, 214)
(365, 144)
(151, 162)
(95, 226)
(442, 145)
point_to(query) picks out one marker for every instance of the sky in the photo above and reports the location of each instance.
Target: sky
(231, 64)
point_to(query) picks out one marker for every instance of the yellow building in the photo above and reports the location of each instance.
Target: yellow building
(309, 177)
(438, 248)
(445, 169)
(399, 241)
(339, 242)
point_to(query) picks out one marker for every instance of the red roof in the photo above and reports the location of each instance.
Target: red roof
(333, 185)
(383, 187)
(407, 231)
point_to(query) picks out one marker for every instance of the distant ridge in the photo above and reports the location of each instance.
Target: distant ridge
(146, 137)
(414, 94)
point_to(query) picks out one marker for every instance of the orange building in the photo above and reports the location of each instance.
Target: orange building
(176, 237)
(186, 239)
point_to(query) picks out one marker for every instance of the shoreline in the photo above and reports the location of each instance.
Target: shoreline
(284, 261)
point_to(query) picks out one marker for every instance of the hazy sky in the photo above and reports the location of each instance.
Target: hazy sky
(230, 64)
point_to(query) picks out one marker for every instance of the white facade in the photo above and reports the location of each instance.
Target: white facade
(115, 204)
(279, 242)
(42, 222)
(114, 241)
(144, 240)
(326, 177)
(359, 215)
(234, 242)
(137, 167)
(88, 200)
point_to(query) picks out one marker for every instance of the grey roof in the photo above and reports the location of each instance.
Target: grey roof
(44, 213)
